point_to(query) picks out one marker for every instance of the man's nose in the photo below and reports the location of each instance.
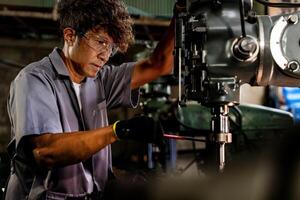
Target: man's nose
(103, 55)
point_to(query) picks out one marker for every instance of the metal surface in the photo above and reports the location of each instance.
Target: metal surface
(220, 131)
(222, 157)
(245, 49)
(275, 43)
(265, 68)
(255, 118)
(231, 58)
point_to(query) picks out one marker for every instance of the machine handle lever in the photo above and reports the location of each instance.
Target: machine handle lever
(179, 137)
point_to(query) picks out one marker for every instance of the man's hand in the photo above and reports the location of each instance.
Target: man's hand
(141, 128)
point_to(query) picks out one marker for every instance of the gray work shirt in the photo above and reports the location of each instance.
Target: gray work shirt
(39, 103)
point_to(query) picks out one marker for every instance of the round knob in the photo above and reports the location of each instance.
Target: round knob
(293, 65)
(244, 48)
(293, 19)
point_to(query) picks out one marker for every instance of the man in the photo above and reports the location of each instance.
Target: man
(58, 105)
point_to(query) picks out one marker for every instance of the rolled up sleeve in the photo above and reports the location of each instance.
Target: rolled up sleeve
(32, 106)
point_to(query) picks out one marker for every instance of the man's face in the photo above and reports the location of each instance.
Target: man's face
(90, 52)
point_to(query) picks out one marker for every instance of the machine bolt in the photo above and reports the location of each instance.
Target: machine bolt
(293, 65)
(244, 48)
(293, 19)
(248, 45)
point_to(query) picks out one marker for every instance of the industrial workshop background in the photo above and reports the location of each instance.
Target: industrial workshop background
(29, 31)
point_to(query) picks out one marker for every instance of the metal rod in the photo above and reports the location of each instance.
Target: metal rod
(221, 157)
(179, 76)
(242, 17)
(221, 134)
(179, 137)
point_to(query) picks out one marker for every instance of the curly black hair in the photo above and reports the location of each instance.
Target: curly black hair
(85, 15)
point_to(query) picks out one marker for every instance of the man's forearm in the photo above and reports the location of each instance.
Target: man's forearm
(162, 55)
(159, 63)
(61, 149)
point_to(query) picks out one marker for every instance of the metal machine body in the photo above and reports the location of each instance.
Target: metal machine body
(222, 44)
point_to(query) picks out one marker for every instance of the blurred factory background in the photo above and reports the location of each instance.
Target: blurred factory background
(29, 31)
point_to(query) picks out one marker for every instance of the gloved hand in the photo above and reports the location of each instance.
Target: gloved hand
(141, 128)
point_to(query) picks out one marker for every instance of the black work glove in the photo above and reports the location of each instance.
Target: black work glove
(141, 128)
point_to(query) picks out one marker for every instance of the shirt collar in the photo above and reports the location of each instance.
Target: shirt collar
(60, 66)
(58, 62)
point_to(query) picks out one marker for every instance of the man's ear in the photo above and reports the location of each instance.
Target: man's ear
(69, 36)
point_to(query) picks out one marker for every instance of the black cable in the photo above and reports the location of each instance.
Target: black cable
(242, 17)
(278, 5)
